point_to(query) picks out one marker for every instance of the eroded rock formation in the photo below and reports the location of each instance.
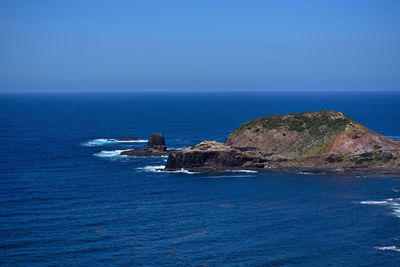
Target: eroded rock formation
(155, 147)
(156, 142)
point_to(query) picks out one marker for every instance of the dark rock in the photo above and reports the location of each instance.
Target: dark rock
(156, 142)
(155, 148)
(257, 165)
(387, 156)
(211, 159)
(209, 154)
(143, 153)
(334, 158)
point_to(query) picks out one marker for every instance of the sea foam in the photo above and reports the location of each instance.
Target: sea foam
(393, 203)
(246, 171)
(182, 171)
(102, 141)
(158, 168)
(161, 168)
(393, 248)
(109, 154)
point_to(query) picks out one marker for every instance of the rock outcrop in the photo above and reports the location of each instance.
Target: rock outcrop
(207, 154)
(325, 140)
(155, 147)
(156, 143)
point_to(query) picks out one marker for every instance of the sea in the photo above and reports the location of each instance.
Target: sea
(68, 199)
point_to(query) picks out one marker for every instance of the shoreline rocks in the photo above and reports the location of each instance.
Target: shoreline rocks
(207, 154)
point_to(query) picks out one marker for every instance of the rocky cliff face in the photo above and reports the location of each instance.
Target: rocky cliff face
(207, 154)
(326, 139)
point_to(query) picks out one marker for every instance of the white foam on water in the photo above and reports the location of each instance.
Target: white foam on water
(128, 141)
(102, 141)
(392, 248)
(371, 202)
(396, 212)
(159, 168)
(393, 203)
(182, 171)
(247, 171)
(95, 142)
(109, 154)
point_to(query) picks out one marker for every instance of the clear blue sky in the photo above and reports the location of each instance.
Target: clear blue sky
(199, 45)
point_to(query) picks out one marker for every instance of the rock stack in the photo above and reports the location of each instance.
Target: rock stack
(156, 143)
(155, 148)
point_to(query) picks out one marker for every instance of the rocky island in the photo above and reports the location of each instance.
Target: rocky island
(322, 141)
(155, 148)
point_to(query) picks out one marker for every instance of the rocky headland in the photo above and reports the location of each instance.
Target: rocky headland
(323, 141)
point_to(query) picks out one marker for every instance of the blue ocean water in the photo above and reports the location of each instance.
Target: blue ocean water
(67, 199)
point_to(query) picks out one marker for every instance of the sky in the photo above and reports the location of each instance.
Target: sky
(149, 45)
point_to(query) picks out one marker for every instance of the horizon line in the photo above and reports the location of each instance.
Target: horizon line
(200, 91)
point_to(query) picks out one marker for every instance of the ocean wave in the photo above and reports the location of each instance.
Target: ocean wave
(373, 202)
(247, 171)
(393, 203)
(161, 168)
(109, 154)
(393, 248)
(182, 171)
(102, 141)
